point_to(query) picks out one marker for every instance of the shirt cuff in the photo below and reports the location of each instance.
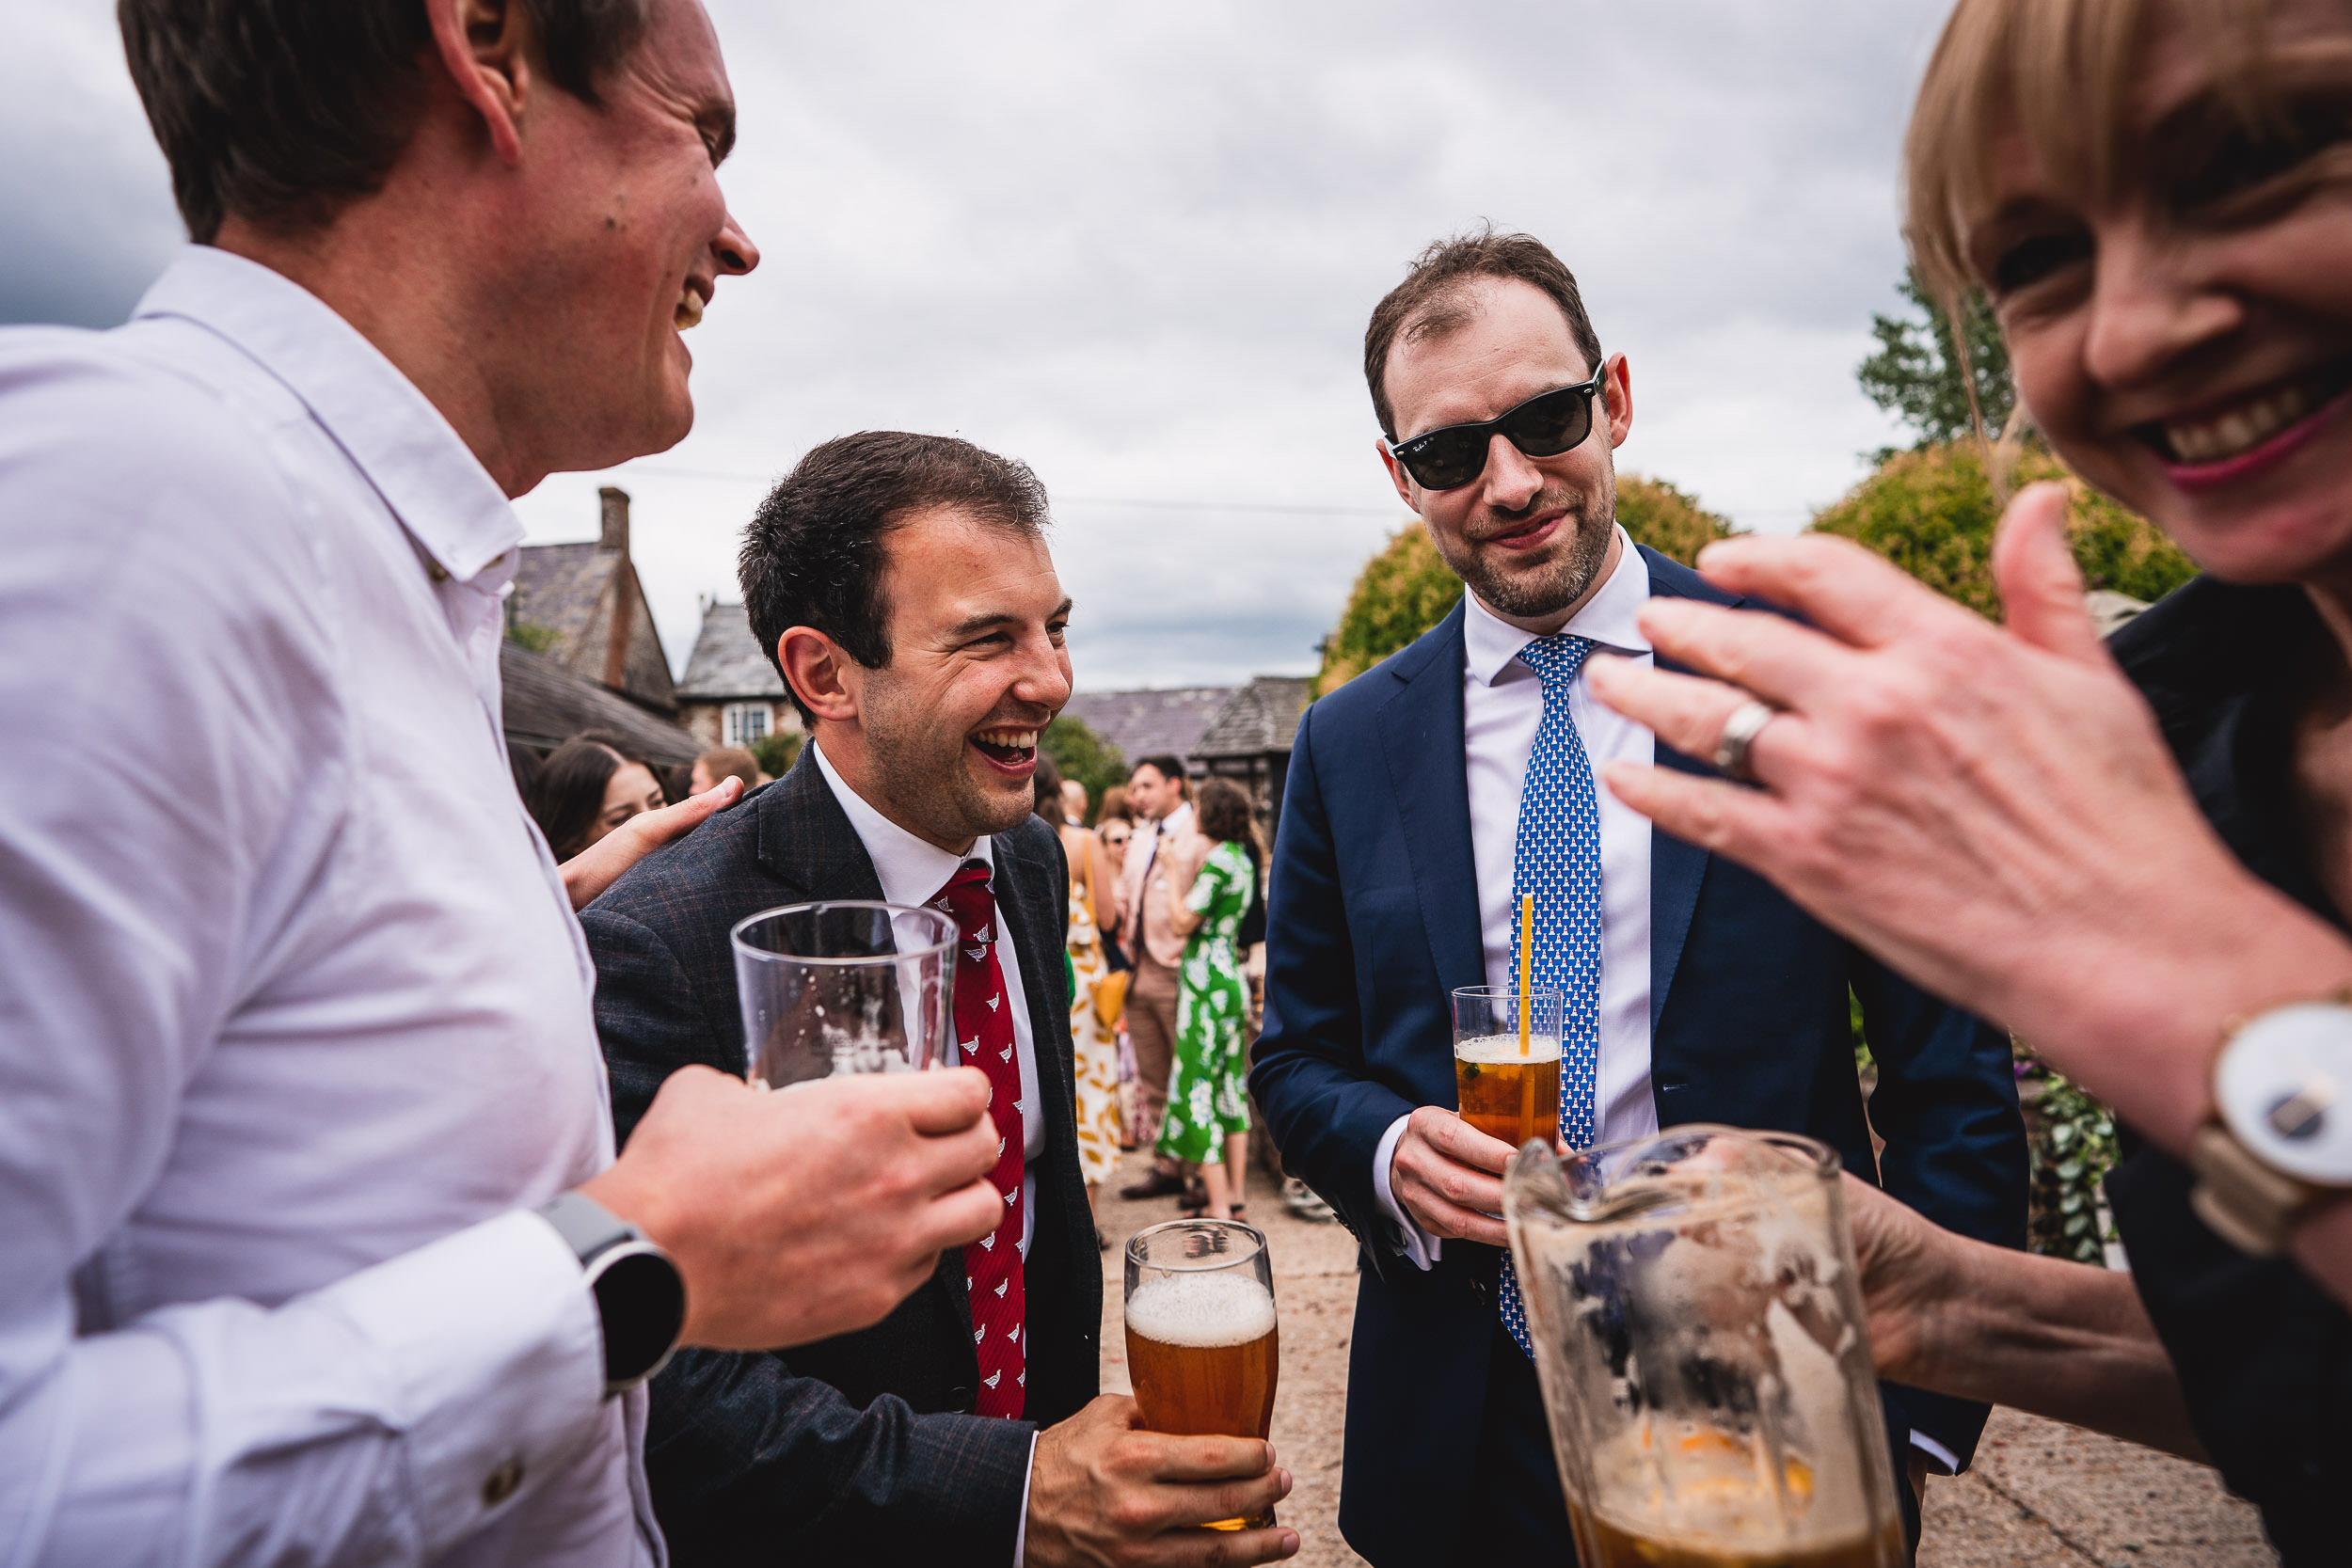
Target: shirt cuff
(1920, 1440)
(1412, 1240)
(493, 1358)
(1021, 1534)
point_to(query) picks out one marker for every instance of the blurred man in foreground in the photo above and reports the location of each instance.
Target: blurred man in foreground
(2140, 855)
(316, 1248)
(902, 586)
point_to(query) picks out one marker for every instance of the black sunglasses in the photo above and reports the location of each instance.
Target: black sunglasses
(1545, 425)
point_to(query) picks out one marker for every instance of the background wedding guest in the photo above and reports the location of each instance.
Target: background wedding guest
(726, 762)
(1206, 1127)
(1163, 849)
(1073, 803)
(1095, 999)
(586, 789)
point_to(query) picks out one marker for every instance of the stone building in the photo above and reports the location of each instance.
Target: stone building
(546, 705)
(731, 694)
(1250, 740)
(581, 606)
(1142, 725)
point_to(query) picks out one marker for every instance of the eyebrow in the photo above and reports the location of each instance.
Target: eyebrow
(987, 619)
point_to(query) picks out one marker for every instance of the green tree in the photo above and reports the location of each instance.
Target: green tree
(1084, 756)
(1408, 587)
(1916, 376)
(776, 752)
(1932, 513)
(531, 634)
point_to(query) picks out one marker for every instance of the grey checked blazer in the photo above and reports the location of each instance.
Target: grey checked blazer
(862, 1448)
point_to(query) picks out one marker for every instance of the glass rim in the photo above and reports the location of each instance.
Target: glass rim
(814, 906)
(1486, 993)
(1819, 1156)
(1202, 1222)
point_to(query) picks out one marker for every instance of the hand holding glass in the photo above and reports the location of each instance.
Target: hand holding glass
(1505, 1088)
(1202, 1344)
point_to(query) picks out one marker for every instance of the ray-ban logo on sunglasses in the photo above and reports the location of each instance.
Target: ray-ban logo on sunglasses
(1545, 425)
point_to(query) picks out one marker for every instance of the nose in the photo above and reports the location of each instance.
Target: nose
(735, 253)
(1045, 678)
(2151, 303)
(1510, 481)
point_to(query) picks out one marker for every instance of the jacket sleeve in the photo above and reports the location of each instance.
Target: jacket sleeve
(1324, 1112)
(738, 1449)
(1946, 1106)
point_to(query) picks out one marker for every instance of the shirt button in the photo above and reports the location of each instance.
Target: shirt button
(502, 1482)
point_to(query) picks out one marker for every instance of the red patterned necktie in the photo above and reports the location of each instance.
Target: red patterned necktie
(992, 1265)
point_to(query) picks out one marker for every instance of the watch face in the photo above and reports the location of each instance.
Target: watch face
(642, 1300)
(2284, 1088)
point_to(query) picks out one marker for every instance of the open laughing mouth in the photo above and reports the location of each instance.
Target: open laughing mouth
(2212, 447)
(1009, 751)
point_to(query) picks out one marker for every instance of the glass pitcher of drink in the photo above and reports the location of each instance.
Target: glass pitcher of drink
(1698, 1330)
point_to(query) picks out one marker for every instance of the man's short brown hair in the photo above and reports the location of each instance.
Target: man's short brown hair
(1429, 303)
(812, 555)
(280, 110)
(730, 761)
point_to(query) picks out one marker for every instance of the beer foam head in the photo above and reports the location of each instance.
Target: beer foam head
(1503, 1049)
(1201, 1311)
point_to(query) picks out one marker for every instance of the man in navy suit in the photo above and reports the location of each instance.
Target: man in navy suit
(1706, 995)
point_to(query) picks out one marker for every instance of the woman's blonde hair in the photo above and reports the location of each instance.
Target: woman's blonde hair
(2059, 72)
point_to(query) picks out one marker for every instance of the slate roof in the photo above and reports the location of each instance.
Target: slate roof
(726, 664)
(560, 586)
(1169, 722)
(1262, 717)
(547, 705)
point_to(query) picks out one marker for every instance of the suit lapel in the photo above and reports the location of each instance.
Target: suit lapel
(1420, 731)
(805, 839)
(1676, 866)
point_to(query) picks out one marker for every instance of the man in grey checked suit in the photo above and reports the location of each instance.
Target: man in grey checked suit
(903, 585)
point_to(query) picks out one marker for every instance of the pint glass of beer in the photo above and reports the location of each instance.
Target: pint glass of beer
(1201, 1342)
(1502, 1090)
(845, 987)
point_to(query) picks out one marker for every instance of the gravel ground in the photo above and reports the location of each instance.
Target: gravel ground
(2042, 1495)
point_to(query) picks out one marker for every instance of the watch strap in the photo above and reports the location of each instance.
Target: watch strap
(587, 1227)
(638, 1293)
(2242, 1200)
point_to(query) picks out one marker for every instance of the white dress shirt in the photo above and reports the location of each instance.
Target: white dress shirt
(1502, 707)
(913, 871)
(296, 1024)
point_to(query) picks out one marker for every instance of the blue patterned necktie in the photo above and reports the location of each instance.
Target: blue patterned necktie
(1557, 858)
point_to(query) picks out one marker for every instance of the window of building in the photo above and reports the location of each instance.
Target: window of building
(746, 722)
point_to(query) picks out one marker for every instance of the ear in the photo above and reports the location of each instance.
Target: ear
(487, 46)
(1619, 390)
(820, 673)
(1397, 476)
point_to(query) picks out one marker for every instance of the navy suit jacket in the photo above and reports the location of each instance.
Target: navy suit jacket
(1373, 922)
(861, 1448)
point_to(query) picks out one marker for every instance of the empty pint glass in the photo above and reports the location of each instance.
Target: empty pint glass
(1698, 1333)
(846, 986)
(1203, 1347)
(1502, 1090)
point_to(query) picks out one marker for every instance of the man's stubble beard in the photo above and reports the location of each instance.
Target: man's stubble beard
(1559, 583)
(927, 775)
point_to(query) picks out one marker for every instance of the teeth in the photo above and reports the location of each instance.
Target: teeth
(690, 308)
(1019, 740)
(2241, 429)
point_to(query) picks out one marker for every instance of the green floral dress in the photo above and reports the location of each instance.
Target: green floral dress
(1205, 1100)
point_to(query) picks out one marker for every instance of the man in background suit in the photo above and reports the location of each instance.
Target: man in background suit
(1164, 847)
(1422, 797)
(903, 585)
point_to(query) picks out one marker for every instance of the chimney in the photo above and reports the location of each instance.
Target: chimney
(616, 538)
(616, 535)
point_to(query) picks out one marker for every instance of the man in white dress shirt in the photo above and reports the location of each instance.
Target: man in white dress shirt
(1422, 797)
(296, 1035)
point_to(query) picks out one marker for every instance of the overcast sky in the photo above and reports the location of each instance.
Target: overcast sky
(1135, 246)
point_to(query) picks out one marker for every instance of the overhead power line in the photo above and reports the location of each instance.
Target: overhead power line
(1155, 504)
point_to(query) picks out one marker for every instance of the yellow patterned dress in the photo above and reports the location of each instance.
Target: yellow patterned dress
(1094, 1048)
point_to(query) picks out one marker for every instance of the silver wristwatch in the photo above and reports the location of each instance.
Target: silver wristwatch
(2280, 1143)
(640, 1294)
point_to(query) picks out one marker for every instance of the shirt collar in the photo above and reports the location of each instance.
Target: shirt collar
(426, 474)
(912, 870)
(1608, 619)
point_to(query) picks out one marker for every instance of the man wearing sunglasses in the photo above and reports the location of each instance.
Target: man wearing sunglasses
(1424, 797)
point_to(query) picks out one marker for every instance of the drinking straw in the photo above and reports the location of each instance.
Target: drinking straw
(1527, 952)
